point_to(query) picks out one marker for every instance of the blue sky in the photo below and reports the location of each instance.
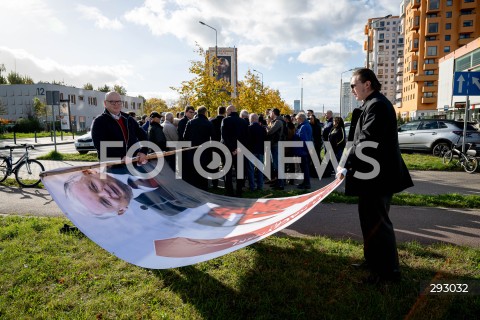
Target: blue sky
(147, 46)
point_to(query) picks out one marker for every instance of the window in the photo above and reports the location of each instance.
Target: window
(433, 27)
(80, 98)
(429, 83)
(433, 4)
(468, 23)
(430, 38)
(73, 98)
(448, 26)
(449, 3)
(446, 49)
(429, 72)
(466, 12)
(464, 36)
(432, 51)
(448, 14)
(429, 61)
(468, 1)
(428, 125)
(448, 37)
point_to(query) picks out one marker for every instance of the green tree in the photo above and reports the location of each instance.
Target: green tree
(14, 78)
(105, 88)
(204, 89)
(39, 108)
(119, 89)
(3, 80)
(88, 86)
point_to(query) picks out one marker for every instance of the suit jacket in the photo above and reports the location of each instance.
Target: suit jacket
(234, 129)
(376, 121)
(217, 123)
(181, 127)
(198, 130)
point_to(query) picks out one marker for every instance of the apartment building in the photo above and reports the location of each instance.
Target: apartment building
(433, 29)
(16, 101)
(384, 46)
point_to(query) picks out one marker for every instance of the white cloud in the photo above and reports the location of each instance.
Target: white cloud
(77, 75)
(330, 53)
(14, 14)
(101, 21)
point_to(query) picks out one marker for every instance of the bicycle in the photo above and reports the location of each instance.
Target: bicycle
(466, 160)
(27, 171)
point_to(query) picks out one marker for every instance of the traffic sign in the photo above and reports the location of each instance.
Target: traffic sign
(466, 84)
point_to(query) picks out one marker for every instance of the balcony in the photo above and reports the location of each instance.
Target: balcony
(464, 41)
(430, 66)
(426, 100)
(430, 21)
(415, 21)
(416, 4)
(467, 29)
(425, 77)
(468, 5)
(429, 89)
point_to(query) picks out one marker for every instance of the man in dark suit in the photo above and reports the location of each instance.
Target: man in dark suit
(189, 113)
(217, 135)
(198, 131)
(233, 129)
(376, 179)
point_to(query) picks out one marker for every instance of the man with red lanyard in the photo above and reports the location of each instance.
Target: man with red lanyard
(115, 125)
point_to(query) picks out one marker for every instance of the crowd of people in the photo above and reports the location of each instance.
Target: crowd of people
(243, 133)
(250, 129)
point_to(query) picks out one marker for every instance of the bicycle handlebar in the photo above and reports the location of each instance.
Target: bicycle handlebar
(24, 145)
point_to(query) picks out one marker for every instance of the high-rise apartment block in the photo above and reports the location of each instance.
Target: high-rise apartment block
(384, 45)
(432, 29)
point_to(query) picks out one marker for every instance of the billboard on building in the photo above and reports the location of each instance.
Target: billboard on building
(226, 67)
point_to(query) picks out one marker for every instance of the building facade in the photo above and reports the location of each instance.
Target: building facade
(384, 45)
(433, 29)
(17, 100)
(466, 58)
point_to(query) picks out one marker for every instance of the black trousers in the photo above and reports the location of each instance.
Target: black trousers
(229, 179)
(379, 244)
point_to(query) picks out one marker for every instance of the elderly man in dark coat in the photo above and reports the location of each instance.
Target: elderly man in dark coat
(375, 171)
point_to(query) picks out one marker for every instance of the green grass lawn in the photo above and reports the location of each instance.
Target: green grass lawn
(45, 274)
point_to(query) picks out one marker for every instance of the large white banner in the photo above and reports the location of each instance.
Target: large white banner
(164, 222)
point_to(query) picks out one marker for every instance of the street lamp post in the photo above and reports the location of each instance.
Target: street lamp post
(261, 74)
(216, 48)
(368, 37)
(301, 96)
(341, 84)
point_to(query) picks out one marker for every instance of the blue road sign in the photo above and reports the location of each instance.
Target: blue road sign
(466, 84)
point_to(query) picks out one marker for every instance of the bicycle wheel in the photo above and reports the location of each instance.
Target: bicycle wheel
(470, 164)
(448, 157)
(28, 174)
(3, 168)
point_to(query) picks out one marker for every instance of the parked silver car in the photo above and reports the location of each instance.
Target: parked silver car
(84, 144)
(426, 134)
